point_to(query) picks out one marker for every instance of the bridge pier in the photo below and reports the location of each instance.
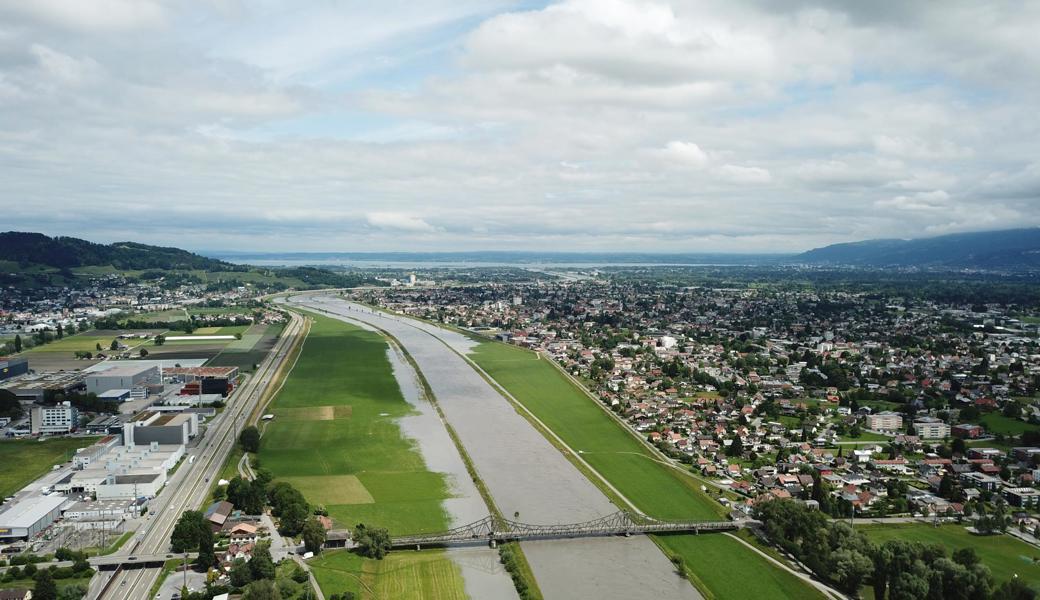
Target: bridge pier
(493, 543)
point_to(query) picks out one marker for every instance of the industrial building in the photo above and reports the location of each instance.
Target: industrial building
(34, 387)
(12, 367)
(99, 511)
(116, 395)
(152, 426)
(92, 454)
(141, 485)
(61, 418)
(132, 377)
(203, 380)
(30, 516)
(123, 460)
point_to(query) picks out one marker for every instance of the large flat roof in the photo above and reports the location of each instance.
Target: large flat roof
(121, 370)
(25, 513)
(162, 363)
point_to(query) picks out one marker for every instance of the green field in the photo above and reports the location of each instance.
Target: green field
(998, 423)
(658, 490)
(732, 571)
(25, 460)
(335, 435)
(84, 341)
(1005, 556)
(715, 562)
(250, 350)
(426, 575)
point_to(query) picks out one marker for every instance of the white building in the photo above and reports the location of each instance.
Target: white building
(30, 516)
(885, 421)
(931, 429)
(62, 418)
(123, 377)
(145, 485)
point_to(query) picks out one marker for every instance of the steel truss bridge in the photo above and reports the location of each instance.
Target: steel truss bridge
(496, 529)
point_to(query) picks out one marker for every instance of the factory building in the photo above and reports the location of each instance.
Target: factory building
(136, 378)
(123, 460)
(151, 426)
(12, 367)
(61, 418)
(30, 516)
(92, 454)
(129, 487)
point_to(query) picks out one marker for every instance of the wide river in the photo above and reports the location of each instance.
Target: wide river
(525, 474)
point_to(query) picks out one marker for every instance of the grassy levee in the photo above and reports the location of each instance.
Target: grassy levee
(1006, 557)
(656, 489)
(335, 437)
(25, 460)
(719, 566)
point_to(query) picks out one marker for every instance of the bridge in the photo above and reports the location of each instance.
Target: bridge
(497, 529)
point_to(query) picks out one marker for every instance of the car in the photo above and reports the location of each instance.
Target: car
(132, 558)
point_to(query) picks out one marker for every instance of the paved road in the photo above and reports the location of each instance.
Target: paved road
(525, 474)
(190, 486)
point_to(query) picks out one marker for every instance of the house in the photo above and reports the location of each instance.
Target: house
(217, 514)
(243, 533)
(1023, 497)
(966, 431)
(16, 594)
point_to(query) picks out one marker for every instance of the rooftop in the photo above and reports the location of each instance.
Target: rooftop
(28, 511)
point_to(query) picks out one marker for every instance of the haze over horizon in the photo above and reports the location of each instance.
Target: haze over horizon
(572, 126)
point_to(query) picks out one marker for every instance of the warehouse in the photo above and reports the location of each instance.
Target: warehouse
(122, 377)
(30, 516)
(144, 485)
(148, 427)
(12, 367)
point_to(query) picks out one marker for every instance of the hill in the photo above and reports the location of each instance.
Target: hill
(1014, 249)
(34, 261)
(68, 252)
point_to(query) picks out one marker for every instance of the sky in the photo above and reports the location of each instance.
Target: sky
(580, 125)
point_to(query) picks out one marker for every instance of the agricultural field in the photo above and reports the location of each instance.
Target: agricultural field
(731, 570)
(84, 342)
(656, 489)
(164, 316)
(426, 575)
(250, 350)
(335, 435)
(998, 423)
(25, 460)
(1005, 556)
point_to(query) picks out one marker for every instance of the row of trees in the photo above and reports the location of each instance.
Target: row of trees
(897, 569)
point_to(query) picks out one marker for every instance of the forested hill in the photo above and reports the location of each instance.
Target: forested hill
(68, 252)
(1007, 249)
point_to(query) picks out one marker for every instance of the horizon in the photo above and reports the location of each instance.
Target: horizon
(683, 126)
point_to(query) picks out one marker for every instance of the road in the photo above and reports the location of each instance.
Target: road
(526, 475)
(190, 486)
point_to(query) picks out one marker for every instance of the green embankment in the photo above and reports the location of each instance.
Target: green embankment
(714, 562)
(335, 437)
(656, 489)
(1005, 556)
(25, 460)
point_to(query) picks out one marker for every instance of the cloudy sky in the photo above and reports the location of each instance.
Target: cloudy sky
(490, 124)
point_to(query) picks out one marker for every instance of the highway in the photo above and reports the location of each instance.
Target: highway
(190, 486)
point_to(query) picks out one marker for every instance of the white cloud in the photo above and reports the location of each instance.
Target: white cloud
(95, 15)
(684, 153)
(742, 175)
(398, 221)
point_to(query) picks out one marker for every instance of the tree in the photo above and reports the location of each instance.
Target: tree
(160, 340)
(143, 352)
(17, 343)
(207, 557)
(241, 573)
(114, 345)
(60, 331)
(45, 588)
(97, 346)
(959, 446)
(293, 518)
(372, 542)
(946, 486)
(1013, 589)
(190, 529)
(263, 589)
(736, 447)
(313, 535)
(249, 439)
(261, 565)
(75, 591)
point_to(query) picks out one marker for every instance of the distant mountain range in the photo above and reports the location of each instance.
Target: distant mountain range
(1008, 249)
(500, 257)
(68, 252)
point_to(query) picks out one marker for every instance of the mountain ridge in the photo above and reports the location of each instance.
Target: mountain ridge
(998, 249)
